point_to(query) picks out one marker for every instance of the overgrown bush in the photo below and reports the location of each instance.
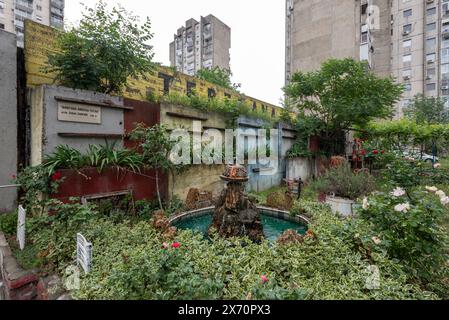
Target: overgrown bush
(345, 183)
(97, 156)
(136, 262)
(233, 108)
(409, 173)
(8, 223)
(409, 228)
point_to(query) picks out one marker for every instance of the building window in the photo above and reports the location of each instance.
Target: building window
(431, 11)
(408, 87)
(364, 37)
(2, 26)
(407, 29)
(190, 87)
(445, 55)
(430, 44)
(407, 43)
(431, 26)
(254, 106)
(430, 73)
(430, 87)
(407, 58)
(430, 58)
(167, 79)
(364, 8)
(407, 13)
(406, 74)
(445, 71)
(211, 93)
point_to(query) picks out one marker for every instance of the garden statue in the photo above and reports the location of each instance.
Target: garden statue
(235, 214)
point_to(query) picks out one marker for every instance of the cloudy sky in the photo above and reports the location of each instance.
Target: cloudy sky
(257, 35)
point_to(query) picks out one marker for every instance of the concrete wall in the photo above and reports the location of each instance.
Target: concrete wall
(203, 177)
(48, 131)
(299, 168)
(261, 176)
(321, 30)
(8, 118)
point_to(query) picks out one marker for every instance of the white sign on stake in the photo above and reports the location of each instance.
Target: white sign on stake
(83, 253)
(21, 227)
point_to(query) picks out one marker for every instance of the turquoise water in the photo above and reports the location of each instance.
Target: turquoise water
(272, 227)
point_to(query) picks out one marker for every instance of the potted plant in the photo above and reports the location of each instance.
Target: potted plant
(342, 187)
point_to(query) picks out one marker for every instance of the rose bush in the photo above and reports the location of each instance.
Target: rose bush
(409, 228)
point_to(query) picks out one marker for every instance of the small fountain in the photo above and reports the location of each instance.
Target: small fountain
(235, 214)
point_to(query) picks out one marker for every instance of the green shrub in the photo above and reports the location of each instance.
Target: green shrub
(308, 208)
(410, 173)
(346, 184)
(8, 223)
(131, 262)
(409, 228)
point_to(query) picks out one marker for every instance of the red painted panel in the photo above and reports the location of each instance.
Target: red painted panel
(89, 182)
(143, 112)
(314, 144)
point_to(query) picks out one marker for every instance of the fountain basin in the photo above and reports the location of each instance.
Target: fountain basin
(275, 221)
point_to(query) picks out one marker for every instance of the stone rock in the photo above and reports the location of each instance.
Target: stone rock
(236, 216)
(160, 221)
(280, 200)
(197, 199)
(290, 237)
(170, 233)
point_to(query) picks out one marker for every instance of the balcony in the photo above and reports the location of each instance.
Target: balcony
(58, 4)
(24, 5)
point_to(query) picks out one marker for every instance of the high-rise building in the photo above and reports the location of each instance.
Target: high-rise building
(408, 39)
(201, 45)
(14, 12)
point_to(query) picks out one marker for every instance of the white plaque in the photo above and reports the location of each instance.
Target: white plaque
(77, 112)
(21, 227)
(83, 252)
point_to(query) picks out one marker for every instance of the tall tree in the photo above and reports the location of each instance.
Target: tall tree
(340, 95)
(103, 51)
(431, 110)
(220, 77)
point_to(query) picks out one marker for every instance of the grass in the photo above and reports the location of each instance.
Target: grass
(261, 197)
(308, 193)
(444, 163)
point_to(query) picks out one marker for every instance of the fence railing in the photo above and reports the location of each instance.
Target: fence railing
(10, 186)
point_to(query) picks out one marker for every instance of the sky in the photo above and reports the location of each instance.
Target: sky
(257, 35)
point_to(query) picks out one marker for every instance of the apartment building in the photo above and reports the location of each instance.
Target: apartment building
(14, 12)
(408, 39)
(201, 44)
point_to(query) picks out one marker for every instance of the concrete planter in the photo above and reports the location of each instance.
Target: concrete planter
(341, 205)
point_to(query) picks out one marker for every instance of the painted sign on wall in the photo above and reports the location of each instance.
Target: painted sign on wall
(73, 112)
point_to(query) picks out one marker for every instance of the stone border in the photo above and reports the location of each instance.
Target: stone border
(20, 284)
(276, 213)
